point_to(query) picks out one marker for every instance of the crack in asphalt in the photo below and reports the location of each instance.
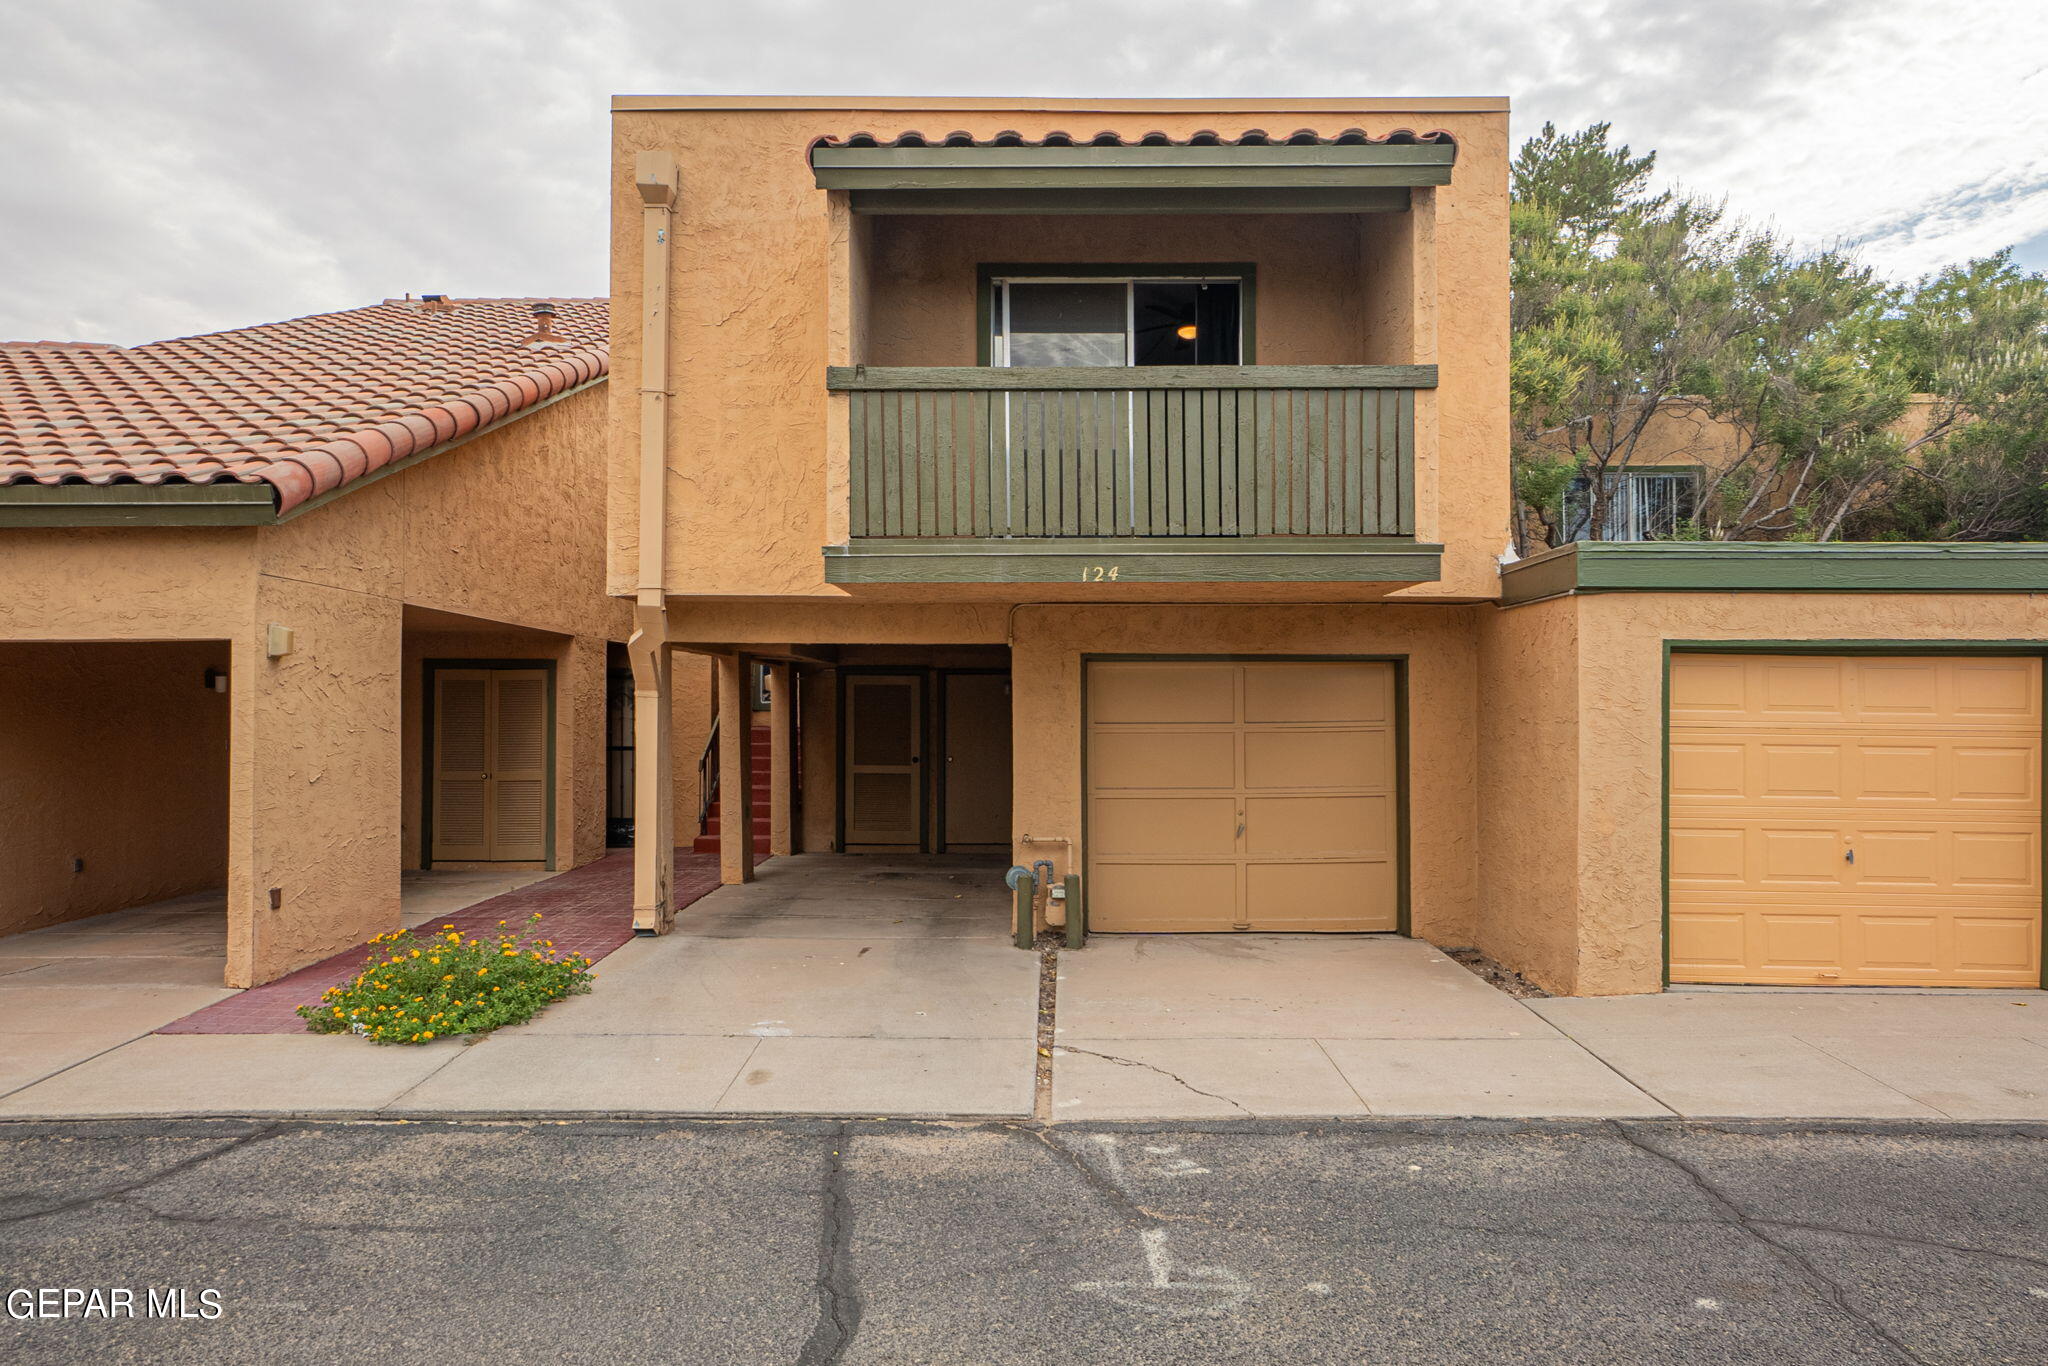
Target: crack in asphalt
(1830, 1289)
(143, 1183)
(839, 1298)
(1170, 1076)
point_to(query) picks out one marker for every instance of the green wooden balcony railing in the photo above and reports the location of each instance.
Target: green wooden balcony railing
(1152, 451)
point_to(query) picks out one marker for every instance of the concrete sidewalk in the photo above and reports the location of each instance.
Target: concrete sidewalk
(888, 987)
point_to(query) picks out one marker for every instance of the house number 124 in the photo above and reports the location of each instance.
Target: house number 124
(1098, 573)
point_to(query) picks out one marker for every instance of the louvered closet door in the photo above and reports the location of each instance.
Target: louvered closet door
(490, 765)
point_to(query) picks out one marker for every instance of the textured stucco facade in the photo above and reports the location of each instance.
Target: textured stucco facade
(495, 545)
(1573, 752)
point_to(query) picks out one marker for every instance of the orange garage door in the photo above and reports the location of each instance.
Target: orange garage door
(1241, 796)
(1856, 820)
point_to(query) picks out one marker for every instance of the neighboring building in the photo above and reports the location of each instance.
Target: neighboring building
(1120, 484)
(292, 608)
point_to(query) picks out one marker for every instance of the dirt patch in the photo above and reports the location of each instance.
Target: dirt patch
(1513, 983)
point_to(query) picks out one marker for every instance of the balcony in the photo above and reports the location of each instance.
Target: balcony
(1136, 474)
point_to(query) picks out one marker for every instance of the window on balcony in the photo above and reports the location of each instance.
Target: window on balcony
(1050, 321)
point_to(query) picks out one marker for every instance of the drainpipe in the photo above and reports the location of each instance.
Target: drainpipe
(654, 826)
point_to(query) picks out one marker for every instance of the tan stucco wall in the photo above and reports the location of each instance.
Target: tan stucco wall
(115, 754)
(504, 531)
(755, 453)
(1528, 790)
(1614, 890)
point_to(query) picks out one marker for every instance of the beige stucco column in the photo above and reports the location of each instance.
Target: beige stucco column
(654, 852)
(313, 781)
(781, 759)
(735, 770)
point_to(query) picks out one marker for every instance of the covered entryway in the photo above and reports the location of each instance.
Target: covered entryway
(1231, 794)
(1855, 820)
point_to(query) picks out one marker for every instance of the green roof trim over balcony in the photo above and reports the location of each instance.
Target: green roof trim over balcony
(1778, 567)
(1350, 175)
(1261, 559)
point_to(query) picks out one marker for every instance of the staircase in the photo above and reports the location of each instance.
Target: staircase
(707, 843)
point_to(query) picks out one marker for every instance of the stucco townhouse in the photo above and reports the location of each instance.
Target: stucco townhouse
(291, 609)
(1111, 490)
(1120, 487)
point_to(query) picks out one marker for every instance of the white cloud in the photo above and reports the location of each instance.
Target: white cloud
(177, 167)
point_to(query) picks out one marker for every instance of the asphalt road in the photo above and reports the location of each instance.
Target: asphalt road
(810, 1242)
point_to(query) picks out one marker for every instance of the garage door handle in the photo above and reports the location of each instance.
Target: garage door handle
(1240, 825)
(1850, 855)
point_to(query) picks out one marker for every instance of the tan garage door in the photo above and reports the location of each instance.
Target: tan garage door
(1855, 820)
(1241, 796)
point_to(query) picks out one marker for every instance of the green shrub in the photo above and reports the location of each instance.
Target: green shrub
(414, 989)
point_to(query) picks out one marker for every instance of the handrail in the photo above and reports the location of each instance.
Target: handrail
(843, 378)
(707, 776)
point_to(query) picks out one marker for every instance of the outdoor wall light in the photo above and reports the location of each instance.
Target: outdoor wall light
(278, 641)
(217, 679)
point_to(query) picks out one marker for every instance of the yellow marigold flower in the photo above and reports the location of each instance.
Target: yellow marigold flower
(449, 978)
(415, 953)
(429, 1034)
(482, 971)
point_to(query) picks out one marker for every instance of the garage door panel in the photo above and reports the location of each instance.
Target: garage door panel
(1998, 690)
(1309, 827)
(1895, 690)
(1805, 689)
(2002, 775)
(1162, 693)
(1701, 939)
(1709, 854)
(1899, 773)
(1788, 856)
(1801, 771)
(1708, 686)
(1164, 898)
(1164, 825)
(2007, 860)
(1926, 769)
(1241, 795)
(1997, 944)
(1702, 771)
(1308, 694)
(1295, 897)
(1156, 758)
(1810, 940)
(1317, 758)
(1900, 942)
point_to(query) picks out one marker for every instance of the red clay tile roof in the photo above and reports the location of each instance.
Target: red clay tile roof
(306, 405)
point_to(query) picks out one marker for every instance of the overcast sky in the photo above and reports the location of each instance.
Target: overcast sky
(176, 166)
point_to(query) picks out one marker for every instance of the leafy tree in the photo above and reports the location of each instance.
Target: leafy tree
(1631, 306)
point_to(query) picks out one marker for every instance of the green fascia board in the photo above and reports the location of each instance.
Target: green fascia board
(1780, 567)
(1151, 200)
(221, 503)
(1316, 165)
(849, 377)
(1296, 559)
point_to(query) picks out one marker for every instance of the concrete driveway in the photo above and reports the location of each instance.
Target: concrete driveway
(869, 986)
(1218, 1026)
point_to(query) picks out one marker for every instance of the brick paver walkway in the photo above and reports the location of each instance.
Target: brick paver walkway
(588, 910)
